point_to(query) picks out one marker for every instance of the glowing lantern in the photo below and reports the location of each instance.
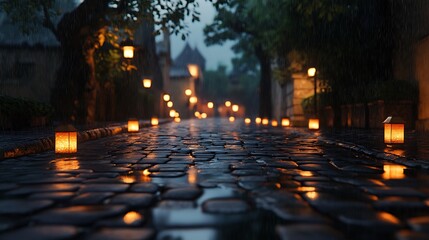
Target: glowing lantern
(188, 92)
(258, 120)
(311, 72)
(197, 114)
(265, 121)
(228, 103)
(210, 105)
(177, 119)
(274, 123)
(247, 120)
(66, 139)
(154, 121)
(193, 70)
(203, 115)
(193, 99)
(147, 83)
(172, 113)
(169, 104)
(285, 122)
(177, 115)
(313, 123)
(235, 108)
(393, 130)
(166, 97)
(133, 125)
(128, 48)
(231, 119)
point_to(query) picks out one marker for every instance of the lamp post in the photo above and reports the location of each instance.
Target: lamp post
(312, 72)
(128, 54)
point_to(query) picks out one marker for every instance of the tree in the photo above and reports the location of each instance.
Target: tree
(82, 30)
(237, 20)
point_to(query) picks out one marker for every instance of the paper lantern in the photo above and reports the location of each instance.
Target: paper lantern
(265, 121)
(169, 104)
(258, 120)
(65, 139)
(231, 119)
(235, 108)
(313, 123)
(128, 48)
(274, 123)
(247, 120)
(172, 113)
(203, 115)
(193, 99)
(197, 114)
(285, 122)
(393, 130)
(177, 119)
(311, 72)
(210, 105)
(154, 121)
(228, 103)
(188, 92)
(133, 125)
(166, 97)
(147, 83)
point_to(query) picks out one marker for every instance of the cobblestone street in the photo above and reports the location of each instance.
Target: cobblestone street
(212, 179)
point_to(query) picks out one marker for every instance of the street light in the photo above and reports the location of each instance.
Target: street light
(312, 72)
(188, 92)
(166, 97)
(210, 105)
(235, 108)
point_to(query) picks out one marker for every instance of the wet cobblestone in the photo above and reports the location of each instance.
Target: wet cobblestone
(212, 179)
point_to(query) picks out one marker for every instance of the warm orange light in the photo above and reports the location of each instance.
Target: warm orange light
(274, 123)
(166, 97)
(128, 52)
(193, 70)
(147, 83)
(132, 217)
(311, 72)
(285, 122)
(210, 105)
(393, 171)
(66, 164)
(188, 92)
(193, 99)
(169, 104)
(154, 121)
(203, 115)
(133, 125)
(172, 113)
(313, 123)
(231, 119)
(177, 119)
(177, 114)
(197, 114)
(247, 120)
(265, 121)
(312, 195)
(228, 104)
(192, 175)
(128, 179)
(66, 139)
(258, 120)
(306, 173)
(393, 130)
(235, 108)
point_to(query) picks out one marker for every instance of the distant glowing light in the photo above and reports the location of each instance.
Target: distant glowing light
(228, 103)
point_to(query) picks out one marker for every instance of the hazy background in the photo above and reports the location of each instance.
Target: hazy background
(215, 54)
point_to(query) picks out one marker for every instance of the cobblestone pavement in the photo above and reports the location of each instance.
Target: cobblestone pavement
(211, 179)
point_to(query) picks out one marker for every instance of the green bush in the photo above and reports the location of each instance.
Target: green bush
(18, 113)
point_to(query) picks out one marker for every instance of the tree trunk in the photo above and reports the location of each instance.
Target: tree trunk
(265, 101)
(75, 89)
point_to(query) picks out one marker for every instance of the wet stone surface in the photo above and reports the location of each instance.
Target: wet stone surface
(212, 179)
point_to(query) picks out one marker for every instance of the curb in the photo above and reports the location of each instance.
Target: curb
(48, 143)
(408, 162)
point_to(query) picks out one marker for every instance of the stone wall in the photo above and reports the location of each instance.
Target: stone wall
(28, 72)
